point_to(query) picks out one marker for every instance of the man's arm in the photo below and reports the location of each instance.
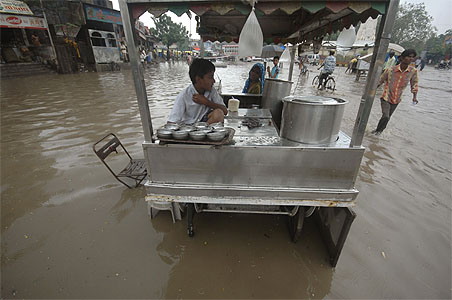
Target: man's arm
(201, 99)
(383, 77)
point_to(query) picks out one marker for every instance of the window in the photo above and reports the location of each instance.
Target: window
(97, 39)
(100, 3)
(111, 40)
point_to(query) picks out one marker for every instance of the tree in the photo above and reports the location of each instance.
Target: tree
(437, 48)
(413, 26)
(169, 32)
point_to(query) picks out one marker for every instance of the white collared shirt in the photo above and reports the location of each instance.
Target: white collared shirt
(186, 111)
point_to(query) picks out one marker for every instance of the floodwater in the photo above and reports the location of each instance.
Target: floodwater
(69, 230)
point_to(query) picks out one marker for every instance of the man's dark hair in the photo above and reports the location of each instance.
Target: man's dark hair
(331, 52)
(276, 57)
(391, 53)
(408, 52)
(200, 67)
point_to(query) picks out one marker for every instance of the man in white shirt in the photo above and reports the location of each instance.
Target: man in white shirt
(199, 102)
(391, 62)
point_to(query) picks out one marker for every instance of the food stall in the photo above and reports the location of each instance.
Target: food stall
(305, 166)
(24, 36)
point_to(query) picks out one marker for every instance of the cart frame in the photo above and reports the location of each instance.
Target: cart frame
(330, 188)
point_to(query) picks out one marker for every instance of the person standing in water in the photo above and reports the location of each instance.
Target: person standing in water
(275, 70)
(396, 79)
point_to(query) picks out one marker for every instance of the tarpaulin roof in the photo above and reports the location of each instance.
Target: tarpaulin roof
(280, 21)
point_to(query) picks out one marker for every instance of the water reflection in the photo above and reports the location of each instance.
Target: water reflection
(240, 256)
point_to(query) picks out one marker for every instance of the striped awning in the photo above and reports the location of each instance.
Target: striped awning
(280, 21)
(267, 8)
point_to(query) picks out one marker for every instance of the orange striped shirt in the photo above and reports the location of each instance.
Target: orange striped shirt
(396, 81)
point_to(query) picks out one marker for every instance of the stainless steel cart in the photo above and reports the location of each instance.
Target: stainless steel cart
(261, 172)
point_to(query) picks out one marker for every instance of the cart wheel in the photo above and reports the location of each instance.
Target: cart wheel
(296, 224)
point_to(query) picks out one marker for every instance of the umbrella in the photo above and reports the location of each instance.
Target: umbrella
(271, 51)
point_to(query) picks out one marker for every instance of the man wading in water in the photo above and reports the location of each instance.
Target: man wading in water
(396, 79)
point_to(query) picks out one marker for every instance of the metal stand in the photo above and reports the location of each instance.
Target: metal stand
(190, 215)
(381, 46)
(296, 224)
(334, 224)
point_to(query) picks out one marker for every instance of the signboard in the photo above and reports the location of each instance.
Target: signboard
(11, 21)
(69, 30)
(140, 27)
(103, 15)
(14, 7)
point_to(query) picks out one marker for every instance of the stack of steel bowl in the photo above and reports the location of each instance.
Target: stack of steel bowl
(197, 135)
(197, 132)
(216, 136)
(164, 133)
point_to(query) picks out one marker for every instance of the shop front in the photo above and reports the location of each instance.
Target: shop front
(24, 37)
(104, 32)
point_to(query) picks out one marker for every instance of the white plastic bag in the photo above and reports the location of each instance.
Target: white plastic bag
(251, 38)
(285, 57)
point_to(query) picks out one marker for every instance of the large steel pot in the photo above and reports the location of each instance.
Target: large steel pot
(312, 119)
(274, 91)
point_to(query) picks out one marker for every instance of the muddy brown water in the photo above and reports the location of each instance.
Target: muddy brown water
(69, 230)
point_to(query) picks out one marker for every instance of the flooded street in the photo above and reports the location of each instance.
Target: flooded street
(70, 230)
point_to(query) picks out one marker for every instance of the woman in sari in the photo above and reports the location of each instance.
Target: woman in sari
(255, 82)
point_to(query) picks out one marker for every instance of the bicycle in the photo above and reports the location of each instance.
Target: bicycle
(329, 83)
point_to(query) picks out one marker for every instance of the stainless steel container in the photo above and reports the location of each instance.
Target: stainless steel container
(197, 135)
(312, 119)
(180, 135)
(216, 136)
(165, 133)
(274, 91)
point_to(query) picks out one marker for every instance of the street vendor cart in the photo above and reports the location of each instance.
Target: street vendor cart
(262, 169)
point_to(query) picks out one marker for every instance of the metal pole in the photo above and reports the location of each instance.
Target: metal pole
(201, 46)
(381, 46)
(292, 62)
(48, 31)
(137, 72)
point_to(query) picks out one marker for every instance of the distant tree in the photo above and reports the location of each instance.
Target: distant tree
(437, 48)
(169, 32)
(413, 26)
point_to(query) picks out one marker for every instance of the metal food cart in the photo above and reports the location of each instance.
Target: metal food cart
(260, 172)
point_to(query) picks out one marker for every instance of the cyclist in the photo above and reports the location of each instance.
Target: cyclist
(328, 68)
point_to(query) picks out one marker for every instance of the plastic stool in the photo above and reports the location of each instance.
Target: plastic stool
(155, 206)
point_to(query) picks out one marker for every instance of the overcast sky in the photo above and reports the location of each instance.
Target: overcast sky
(440, 10)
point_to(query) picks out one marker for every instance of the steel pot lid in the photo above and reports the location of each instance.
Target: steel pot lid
(314, 100)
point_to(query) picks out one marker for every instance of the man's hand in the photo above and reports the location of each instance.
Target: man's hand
(200, 99)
